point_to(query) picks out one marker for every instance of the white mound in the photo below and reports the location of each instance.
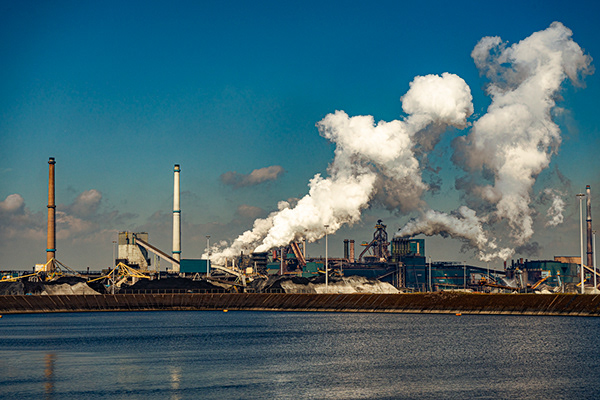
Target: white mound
(65, 288)
(347, 284)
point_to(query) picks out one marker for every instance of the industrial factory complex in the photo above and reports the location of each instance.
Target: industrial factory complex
(399, 264)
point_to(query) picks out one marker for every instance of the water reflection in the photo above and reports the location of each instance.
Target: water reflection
(50, 359)
(175, 382)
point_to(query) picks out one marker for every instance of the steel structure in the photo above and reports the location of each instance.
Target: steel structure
(379, 245)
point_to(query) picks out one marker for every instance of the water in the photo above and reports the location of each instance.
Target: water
(258, 355)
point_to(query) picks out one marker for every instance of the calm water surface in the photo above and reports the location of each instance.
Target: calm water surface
(280, 355)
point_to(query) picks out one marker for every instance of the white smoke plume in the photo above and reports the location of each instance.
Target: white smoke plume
(371, 160)
(512, 143)
(555, 212)
(462, 224)
(516, 138)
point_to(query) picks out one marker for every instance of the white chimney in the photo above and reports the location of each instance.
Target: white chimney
(176, 218)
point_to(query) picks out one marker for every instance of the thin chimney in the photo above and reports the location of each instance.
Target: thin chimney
(590, 251)
(51, 244)
(176, 217)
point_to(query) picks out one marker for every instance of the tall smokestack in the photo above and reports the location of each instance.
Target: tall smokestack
(351, 250)
(346, 251)
(176, 218)
(51, 244)
(590, 251)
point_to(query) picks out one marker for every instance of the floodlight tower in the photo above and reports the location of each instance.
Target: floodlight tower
(588, 220)
(581, 196)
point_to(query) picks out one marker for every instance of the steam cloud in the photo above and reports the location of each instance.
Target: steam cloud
(386, 167)
(462, 224)
(555, 212)
(508, 147)
(516, 138)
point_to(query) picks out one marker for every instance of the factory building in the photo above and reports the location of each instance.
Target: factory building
(562, 273)
(130, 252)
(402, 262)
(193, 266)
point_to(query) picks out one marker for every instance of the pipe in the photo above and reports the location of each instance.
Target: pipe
(51, 243)
(590, 250)
(176, 219)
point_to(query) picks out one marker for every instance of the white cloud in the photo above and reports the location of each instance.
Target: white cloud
(256, 177)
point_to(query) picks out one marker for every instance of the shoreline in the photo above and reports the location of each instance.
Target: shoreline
(419, 303)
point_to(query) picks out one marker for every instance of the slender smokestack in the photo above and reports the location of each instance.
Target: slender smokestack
(176, 218)
(351, 251)
(590, 251)
(51, 244)
(346, 252)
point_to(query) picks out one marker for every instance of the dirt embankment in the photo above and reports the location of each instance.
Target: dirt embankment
(432, 303)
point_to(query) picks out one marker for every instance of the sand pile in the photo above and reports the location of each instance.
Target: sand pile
(63, 285)
(65, 288)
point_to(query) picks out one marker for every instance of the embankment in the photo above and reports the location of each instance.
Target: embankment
(465, 303)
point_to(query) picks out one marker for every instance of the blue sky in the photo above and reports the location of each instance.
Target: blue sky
(118, 92)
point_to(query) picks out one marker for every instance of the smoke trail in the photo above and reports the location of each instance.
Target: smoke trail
(514, 140)
(512, 143)
(371, 160)
(517, 137)
(555, 212)
(461, 224)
